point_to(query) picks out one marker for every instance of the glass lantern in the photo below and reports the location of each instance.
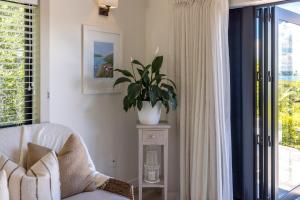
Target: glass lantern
(152, 165)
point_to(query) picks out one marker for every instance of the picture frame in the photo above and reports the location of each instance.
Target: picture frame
(102, 53)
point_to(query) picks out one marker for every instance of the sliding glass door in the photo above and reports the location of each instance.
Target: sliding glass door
(265, 97)
(278, 101)
(288, 101)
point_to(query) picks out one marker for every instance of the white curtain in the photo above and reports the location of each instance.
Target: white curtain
(202, 67)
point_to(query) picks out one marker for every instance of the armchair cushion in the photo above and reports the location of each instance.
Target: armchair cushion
(14, 141)
(4, 194)
(75, 174)
(40, 181)
(52, 136)
(35, 153)
(97, 195)
(10, 142)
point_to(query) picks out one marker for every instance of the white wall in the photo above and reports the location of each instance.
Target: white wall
(108, 131)
(159, 33)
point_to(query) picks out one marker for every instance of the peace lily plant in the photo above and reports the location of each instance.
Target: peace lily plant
(148, 90)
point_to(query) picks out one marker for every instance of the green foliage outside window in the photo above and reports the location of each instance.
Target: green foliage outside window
(12, 59)
(289, 112)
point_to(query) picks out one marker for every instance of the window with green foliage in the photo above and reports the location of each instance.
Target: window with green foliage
(289, 84)
(18, 63)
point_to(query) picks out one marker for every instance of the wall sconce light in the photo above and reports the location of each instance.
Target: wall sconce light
(106, 5)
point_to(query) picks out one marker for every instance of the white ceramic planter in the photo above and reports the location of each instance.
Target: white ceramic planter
(149, 115)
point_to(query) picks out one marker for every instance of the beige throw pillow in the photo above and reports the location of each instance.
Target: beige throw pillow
(41, 181)
(4, 194)
(35, 153)
(75, 175)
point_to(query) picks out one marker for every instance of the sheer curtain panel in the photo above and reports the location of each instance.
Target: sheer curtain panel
(202, 68)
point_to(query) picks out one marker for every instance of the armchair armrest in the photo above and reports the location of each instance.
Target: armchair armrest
(118, 187)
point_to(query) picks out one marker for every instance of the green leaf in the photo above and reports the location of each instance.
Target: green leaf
(140, 105)
(165, 95)
(173, 83)
(122, 80)
(146, 80)
(148, 66)
(157, 63)
(124, 72)
(158, 78)
(137, 63)
(168, 87)
(129, 102)
(146, 70)
(134, 90)
(157, 91)
(153, 94)
(144, 95)
(166, 104)
(134, 102)
(149, 87)
(126, 104)
(140, 72)
(152, 97)
(173, 103)
(143, 72)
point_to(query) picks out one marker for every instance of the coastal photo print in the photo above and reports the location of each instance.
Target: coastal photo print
(101, 55)
(103, 60)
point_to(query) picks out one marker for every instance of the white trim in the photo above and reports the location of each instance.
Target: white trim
(44, 61)
(244, 3)
(32, 2)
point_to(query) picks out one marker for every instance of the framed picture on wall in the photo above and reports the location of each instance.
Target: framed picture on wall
(101, 55)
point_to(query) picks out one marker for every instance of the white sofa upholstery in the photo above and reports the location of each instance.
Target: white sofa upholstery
(97, 195)
(13, 143)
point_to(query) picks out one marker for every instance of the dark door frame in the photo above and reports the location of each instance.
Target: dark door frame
(243, 76)
(267, 26)
(242, 45)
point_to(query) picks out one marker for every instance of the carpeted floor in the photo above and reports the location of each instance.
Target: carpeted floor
(150, 194)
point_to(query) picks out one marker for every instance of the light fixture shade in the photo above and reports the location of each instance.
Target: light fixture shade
(111, 3)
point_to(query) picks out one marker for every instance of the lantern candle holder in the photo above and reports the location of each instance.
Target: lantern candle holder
(152, 166)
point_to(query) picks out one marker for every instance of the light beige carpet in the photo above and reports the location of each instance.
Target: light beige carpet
(150, 194)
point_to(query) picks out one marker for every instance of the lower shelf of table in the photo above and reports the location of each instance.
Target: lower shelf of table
(160, 184)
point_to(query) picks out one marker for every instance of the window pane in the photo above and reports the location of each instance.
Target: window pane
(17, 62)
(289, 106)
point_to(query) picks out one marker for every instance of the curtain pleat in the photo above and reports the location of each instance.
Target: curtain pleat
(202, 68)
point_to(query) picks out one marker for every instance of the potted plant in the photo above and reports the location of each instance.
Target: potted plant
(148, 90)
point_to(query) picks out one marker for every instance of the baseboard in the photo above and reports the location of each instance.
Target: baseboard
(134, 182)
(173, 196)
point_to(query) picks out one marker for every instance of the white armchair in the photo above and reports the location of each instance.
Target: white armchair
(13, 143)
